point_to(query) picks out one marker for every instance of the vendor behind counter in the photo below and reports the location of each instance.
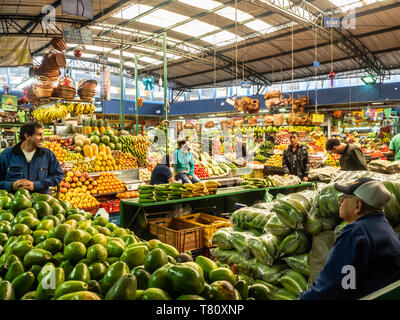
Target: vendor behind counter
(162, 173)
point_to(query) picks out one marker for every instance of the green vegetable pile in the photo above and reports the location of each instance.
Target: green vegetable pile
(266, 148)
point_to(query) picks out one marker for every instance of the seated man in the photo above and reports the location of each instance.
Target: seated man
(366, 254)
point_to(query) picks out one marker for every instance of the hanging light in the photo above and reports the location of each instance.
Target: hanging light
(368, 79)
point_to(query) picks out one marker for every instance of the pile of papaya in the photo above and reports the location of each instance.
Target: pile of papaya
(52, 251)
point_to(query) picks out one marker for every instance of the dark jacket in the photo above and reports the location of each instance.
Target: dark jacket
(352, 159)
(44, 170)
(372, 247)
(296, 163)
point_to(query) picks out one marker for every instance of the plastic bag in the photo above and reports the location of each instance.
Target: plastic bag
(276, 227)
(264, 248)
(329, 202)
(299, 263)
(240, 243)
(250, 218)
(289, 214)
(272, 274)
(222, 239)
(321, 246)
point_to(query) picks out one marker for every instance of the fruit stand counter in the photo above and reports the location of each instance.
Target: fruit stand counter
(133, 215)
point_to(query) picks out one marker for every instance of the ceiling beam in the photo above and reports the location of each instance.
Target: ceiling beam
(141, 15)
(38, 18)
(285, 53)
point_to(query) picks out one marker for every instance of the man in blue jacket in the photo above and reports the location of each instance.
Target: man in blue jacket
(366, 254)
(29, 166)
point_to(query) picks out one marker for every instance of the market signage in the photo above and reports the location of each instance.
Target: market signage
(245, 84)
(80, 8)
(14, 52)
(80, 36)
(318, 118)
(9, 103)
(331, 22)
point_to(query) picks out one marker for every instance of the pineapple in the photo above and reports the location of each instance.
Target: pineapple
(86, 127)
(100, 124)
(108, 128)
(96, 125)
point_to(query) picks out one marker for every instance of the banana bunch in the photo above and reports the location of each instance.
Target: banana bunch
(82, 108)
(137, 146)
(48, 115)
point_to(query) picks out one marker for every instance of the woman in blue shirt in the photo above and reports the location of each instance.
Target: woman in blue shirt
(184, 163)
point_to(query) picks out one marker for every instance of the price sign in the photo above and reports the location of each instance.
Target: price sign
(9, 103)
(318, 117)
(132, 186)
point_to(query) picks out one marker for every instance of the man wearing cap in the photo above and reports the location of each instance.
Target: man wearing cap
(366, 254)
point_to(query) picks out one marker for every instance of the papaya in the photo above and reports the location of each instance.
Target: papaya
(7, 291)
(80, 272)
(23, 283)
(124, 289)
(259, 291)
(142, 277)
(43, 209)
(139, 294)
(80, 295)
(103, 230)
(159, 279)
(25, 237)
(14, 270)
(3, 238)
(56, 221)
(29, 295)
(243, 288)
(76, 217)
(52, 245)
(116, 271)
(168, 249)
(49, 284)
(97, 252)
(171, 260)
(224, 290)
(134, 256)
(155, 294)
(21, 248)
(184, 257)
(95, 287)
(19, 229)
(57, 258)
(39, 235)
(185, 279)
(129, 239)
(67, 266)
(46, 269)
(99, 238)
(111, 260)
(100, 221)
(155, 260)
(222, 274)
(207, 292)
(115, 248)
(74, 251)
(69, 287)
(97, 270)
(45, 225)
(35, 269)
(77, 235)
(206, 264)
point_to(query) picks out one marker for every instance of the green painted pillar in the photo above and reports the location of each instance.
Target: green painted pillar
(137, 95)
(122, 89)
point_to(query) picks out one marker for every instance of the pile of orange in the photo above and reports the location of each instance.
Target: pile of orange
(108, 182)
(103, 162)
(57, 150)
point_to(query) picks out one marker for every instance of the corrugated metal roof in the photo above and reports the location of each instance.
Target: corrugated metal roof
(261, 52)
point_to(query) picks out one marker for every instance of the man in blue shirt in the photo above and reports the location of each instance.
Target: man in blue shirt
(366, 254)
(29, 166)
(162, 174)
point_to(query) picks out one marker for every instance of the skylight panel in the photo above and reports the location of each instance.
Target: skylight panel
(346, 5)
(195, 28)
(96, 48)
(169, 55)
(259, 26)
(132, 11)
(222, 38)
(202, 4)
(150, 60)
(230, 13)
(162, 18)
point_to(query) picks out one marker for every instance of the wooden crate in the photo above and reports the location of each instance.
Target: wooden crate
(183, 235)
(209, 223)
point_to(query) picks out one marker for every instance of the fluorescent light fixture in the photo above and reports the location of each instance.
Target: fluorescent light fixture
(376, 103)
(368, 79)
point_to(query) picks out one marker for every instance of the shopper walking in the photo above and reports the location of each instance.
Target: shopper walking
(162, 174)
(184, 163)
(366, 255)
(29, 166)
(351, 157)
(295, 158)
(394, 147)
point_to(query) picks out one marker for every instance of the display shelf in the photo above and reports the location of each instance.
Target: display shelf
(106, 194)
(11, 124)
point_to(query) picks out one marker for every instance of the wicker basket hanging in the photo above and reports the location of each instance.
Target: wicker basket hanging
(41, 88)
(65, 89)
(87, 89)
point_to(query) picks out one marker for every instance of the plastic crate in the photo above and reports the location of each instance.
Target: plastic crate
(183, 235)
(92, 210)
(258, 173)
(111, 205)
(209, 223)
